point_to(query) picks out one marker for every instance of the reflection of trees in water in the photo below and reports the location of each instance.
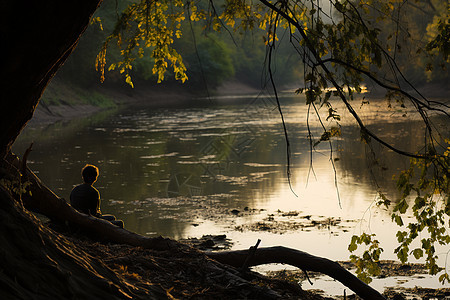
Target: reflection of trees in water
(184, 184)
(374, 164)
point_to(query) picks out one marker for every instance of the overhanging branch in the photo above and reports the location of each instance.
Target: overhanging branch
(330, 78)
(389, 87)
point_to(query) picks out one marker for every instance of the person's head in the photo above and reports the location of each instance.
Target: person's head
(89, 173)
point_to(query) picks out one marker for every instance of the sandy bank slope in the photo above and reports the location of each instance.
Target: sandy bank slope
(74, 102)
(56, 113)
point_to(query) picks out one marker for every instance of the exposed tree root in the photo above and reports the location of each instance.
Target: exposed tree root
(300, 259)
(190, 274)
(36, 263)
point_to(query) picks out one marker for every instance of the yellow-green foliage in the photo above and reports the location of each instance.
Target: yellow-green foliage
(155, 25)
(147, 24)
(425, 192)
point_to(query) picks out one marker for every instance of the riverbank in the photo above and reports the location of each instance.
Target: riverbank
(63, 102)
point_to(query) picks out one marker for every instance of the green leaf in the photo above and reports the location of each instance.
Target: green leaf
(401, 207)
(443, 278)
(398, 220)
(419, 203)
(352, 247)
(418, 253)
(366, 238)
(403, 254)
(128, 80)
(310, 97)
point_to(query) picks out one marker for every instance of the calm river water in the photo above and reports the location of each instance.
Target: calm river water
(219, 167)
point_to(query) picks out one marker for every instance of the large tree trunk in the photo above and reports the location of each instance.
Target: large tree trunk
(36, 37)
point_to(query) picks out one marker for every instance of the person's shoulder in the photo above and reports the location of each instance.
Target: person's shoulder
(82, 188)
(77, 187)
(94, 189)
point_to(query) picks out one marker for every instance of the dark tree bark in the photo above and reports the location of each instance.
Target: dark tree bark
(36, 37)
(300, 259)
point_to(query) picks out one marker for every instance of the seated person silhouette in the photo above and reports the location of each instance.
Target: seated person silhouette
(86, 199)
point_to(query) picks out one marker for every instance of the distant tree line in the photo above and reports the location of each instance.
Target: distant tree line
(211, 57)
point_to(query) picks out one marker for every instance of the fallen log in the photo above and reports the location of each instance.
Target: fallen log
(43, 200)
(299, 259)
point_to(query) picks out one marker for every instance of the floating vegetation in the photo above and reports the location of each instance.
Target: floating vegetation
(209, 242)
(284, 222)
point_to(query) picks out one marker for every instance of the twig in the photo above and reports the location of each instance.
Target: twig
(307, 276)
(251, 253)
(23, 163)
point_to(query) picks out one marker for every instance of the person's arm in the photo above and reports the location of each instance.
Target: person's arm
(98, 211)
(94, 207)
